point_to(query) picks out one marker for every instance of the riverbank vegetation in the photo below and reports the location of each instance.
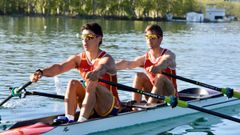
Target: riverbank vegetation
(122, 9)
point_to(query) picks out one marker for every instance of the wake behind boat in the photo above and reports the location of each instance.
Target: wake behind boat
(198, 97)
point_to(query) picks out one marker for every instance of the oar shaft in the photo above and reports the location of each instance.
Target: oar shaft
(19, 90)
(226, 91)
(130, 89)
(193, 82)
(214, 113)
(45, 95)
(24, 86)
(5, 100)
(180, 102)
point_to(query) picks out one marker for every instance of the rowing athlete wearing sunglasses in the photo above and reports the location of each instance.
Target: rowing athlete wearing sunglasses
(155, 61)
(93, 63)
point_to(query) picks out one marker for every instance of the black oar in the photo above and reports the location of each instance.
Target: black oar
(168, 99)
(17, 91)
(45, 94)
(226, 91)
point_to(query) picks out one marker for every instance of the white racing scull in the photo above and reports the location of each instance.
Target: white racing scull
(197, 97)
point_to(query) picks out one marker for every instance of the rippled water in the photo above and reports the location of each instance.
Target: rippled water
(206, 52)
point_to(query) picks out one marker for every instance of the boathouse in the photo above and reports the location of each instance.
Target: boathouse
(194, 17)
(214, 14)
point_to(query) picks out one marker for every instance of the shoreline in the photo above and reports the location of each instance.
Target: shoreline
(158, 19)
(90, 17)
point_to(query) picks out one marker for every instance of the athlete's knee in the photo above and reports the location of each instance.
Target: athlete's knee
(73, 83)
(160, 77)
(91, 86)
(140, 75)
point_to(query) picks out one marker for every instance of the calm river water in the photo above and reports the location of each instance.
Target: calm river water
(206, 52)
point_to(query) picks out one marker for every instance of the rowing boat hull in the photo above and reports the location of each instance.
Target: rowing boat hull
(144, 116)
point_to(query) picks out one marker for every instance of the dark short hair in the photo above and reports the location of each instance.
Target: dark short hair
(156, 28)
(95, 28)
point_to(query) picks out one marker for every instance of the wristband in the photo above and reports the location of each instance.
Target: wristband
(40, 71)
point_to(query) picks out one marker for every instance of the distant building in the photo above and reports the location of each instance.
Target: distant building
(232, 0)
(194, 17)
(169, 16)
(214, 14)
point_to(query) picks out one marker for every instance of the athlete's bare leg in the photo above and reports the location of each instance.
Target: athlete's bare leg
(97, 98)
(162, 86)
(142, 82)
(74, 96)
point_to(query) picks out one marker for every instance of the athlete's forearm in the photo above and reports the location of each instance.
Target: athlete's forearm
(124, 64)
(52, 70)
(121, 65)
(56, 69)
(163, 64)
(101, 70)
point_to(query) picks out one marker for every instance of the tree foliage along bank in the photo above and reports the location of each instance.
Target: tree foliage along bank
(129, 9)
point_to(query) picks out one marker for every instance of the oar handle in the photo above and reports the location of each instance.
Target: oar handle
(19, 90)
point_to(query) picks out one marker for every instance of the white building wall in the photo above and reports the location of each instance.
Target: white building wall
(213, 13)
(194, 17)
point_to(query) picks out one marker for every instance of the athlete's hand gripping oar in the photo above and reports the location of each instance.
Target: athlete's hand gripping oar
(170, 100)
(18, 90)
(226, 91)
(34, 78)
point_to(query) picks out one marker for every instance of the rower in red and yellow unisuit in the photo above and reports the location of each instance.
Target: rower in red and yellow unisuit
(86, 65)
(149, 63)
